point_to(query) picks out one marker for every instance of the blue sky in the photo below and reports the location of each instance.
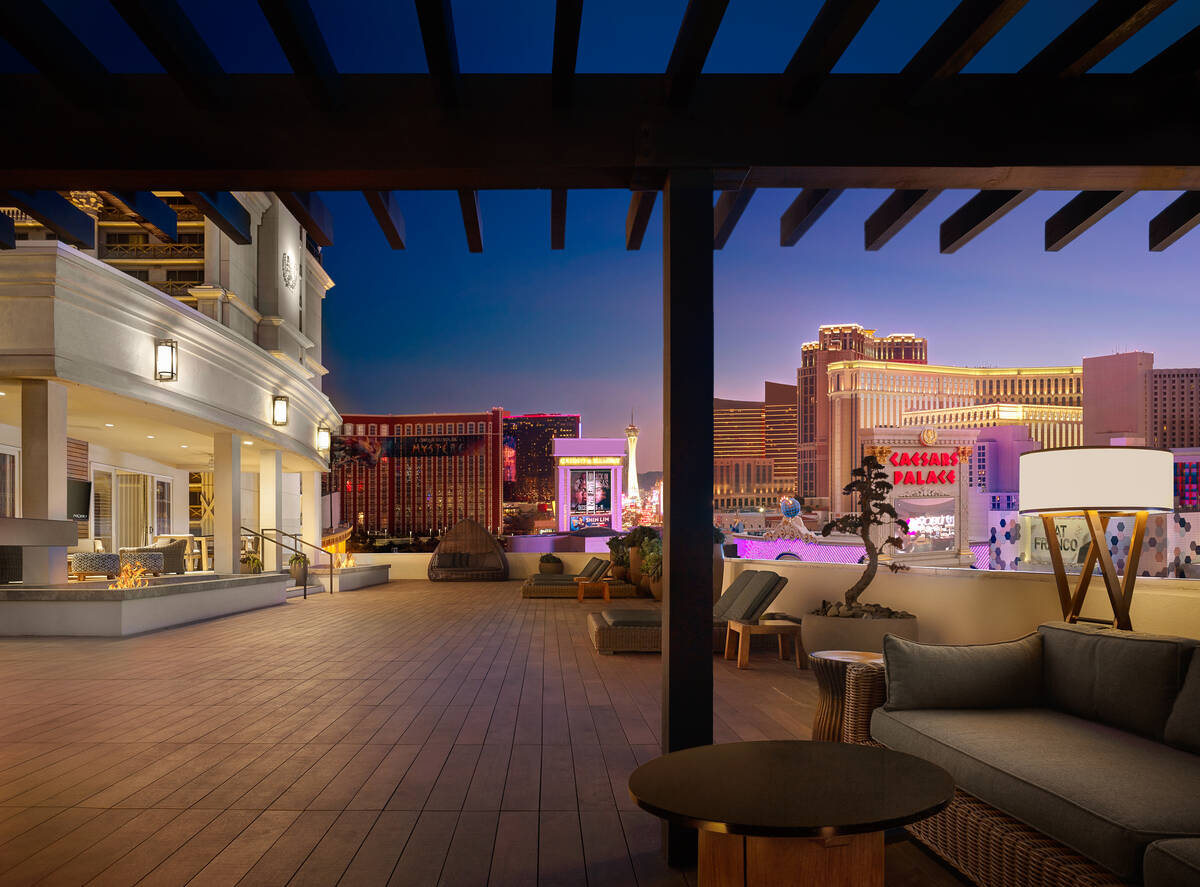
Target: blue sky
(437, 328)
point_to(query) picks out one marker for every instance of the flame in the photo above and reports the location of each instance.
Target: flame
(346, 560)
(131, 576)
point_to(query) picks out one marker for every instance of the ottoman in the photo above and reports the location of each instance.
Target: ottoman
(150, 561)
(91, 563)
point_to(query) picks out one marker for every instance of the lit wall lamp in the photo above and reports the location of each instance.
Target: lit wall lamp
(166, 360)
(1097, 483)
(323, 439)
(279, 410)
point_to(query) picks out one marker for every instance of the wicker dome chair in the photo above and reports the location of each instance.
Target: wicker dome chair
(468, 552)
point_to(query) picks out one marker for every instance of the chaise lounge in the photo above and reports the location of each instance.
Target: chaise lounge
(559, 585)
(1075, 751)
(640, 631)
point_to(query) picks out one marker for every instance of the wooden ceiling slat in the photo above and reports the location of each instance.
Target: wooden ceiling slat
(152, 213)
(558, 218)
(701, 20)
(173, 40)
(1079, 214)
(568, 16)
(300, 37)
(33, 30)
(51, 210)
(223, 210)
(809, 205)
(441, 49)
(976, 215)
(959, 38)
(468, 200)
(641, 204)
(832, 31)
(900, 208)
(386, 210)
(312, 214)
(727, 212)
(1104, 26)
(1180, 217)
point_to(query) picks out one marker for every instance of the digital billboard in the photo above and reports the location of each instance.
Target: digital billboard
(591, 491)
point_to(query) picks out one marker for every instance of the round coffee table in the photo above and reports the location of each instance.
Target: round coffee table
(810, 814)
(829, 668)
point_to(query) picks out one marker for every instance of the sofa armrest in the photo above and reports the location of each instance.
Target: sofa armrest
(866, 690)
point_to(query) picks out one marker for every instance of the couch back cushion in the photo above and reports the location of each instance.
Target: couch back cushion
(731, 594)
(1124, 679)
(1183, 726)
(1007, 675)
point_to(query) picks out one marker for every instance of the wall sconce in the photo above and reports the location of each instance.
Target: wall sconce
(323, 439)
(279, 410)
(166, 360)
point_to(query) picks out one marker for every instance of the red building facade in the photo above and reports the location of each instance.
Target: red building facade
(405, 474)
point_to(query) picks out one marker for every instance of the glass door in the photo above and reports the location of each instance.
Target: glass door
(102, 508)
(8, 482)
(133, 524)
(162, 507)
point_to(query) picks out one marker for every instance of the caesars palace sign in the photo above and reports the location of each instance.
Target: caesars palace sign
(923, 467)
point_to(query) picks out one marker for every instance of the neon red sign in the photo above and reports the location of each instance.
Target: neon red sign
(924, 459)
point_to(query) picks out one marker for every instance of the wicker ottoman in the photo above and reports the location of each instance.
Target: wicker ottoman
(93, 563)
(635, 631)
(150, 561)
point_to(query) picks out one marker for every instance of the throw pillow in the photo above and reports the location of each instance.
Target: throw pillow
(1005, 675)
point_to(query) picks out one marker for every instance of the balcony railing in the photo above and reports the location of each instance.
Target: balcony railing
(176, 288)
(149, 251)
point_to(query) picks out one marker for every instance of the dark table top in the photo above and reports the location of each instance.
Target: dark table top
(790, 788)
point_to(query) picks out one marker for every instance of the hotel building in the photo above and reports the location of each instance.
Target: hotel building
(529, 467)
(751, 437)
(397, 475)
(1127, 398)
(1049, 424)
(149, 344)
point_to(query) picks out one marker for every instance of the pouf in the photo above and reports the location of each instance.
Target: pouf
(150, 561)
(84, 563)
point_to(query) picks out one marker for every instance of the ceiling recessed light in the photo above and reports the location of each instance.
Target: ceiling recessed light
(183, 446)
(108, 424)
(247, 443)
(149, 437)
(3, 393)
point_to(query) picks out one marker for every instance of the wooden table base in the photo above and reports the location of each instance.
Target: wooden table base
(585, 587)
(737, 861)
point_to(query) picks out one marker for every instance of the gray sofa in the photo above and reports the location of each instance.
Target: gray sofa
(1089, 736)
(174, 554)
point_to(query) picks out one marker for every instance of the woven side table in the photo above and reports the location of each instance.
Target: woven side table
(829, 668)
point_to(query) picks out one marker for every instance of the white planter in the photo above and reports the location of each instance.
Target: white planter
(866, 635)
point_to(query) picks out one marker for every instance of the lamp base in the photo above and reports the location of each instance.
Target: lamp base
(1120, 589)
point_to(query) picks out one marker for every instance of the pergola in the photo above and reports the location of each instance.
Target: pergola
(1049, 126)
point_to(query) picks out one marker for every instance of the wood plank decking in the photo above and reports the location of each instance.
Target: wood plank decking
(413, 734)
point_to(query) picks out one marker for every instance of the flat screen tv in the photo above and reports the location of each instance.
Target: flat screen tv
(79, 499)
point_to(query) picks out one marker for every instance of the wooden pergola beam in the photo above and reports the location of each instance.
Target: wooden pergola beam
(974, 217)
(300, 37)
(959, 38)
(8, 232)
(1079, 214)
(51, 210)
(152, 213)
(809, 205)
(641, 204)
(173, 40)
(900, 208)
(568, 16)
(697, 31)
(468, 201)
(729, 208)
(1104, 26)
(831, 32)
(1181, 216)
(1181, 58)
(441, 49)
(311, 212)
(33, 30)
(386, 209)
(223, 210)
(558, 218)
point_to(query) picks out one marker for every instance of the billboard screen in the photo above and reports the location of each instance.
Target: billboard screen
(591, 491)
(930, 523)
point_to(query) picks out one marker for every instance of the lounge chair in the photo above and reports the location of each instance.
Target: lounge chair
(559, 585)
(640, 631)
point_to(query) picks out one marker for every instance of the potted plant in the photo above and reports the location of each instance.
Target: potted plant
(849, 624)
(633, 541)
(548, 563)
(652, 569)
(298, 566)
(718, 562)
(251, 562)
(618, 554)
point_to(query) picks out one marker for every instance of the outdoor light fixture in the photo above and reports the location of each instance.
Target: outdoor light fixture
(166, 360)
(279, 410)
(1097, 483)
(323, 439)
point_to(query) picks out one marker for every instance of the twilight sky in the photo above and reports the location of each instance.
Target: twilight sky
(437, 328)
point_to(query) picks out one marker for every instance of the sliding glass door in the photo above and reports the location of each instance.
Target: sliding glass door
(129, 509)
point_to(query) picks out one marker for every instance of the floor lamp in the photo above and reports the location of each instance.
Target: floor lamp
(1097, 483)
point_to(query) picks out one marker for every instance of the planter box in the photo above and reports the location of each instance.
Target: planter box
(866, 635)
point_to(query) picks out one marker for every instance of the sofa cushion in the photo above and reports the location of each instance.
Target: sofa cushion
(628, 618)
(754, 598)
(1120, 678)
(1183, 726)
(1173, 863)
(1102, 791)
(731, 594)
(1007, 675)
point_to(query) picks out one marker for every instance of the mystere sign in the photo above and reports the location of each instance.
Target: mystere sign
(938, 467)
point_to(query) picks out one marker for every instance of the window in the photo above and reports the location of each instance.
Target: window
(460, 427)
(142, 274)
(360, 429)
(429, 428)
(383, 429)
(439, 427)
(408, 429)
(125, 238)
(372, 429)
(470, 428)
(186, 275)
(102, 507)
(347, 428)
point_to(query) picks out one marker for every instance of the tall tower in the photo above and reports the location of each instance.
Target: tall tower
(631, 482)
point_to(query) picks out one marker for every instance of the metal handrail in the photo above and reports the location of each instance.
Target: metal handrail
(296, 539)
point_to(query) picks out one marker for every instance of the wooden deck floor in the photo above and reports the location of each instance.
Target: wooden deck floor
(414, 734)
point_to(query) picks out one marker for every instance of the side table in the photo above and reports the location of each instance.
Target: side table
(829, 668)
(585, 585)
(781, 628)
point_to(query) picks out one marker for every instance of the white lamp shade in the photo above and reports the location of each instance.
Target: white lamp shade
(1075, 479)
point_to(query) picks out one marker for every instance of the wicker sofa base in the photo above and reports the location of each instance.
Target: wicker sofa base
(466, 574)
(608, 638)
(987, 846)
(559, 590)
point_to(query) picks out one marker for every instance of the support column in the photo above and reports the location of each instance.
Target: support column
(310, 510)
(687, 696)
(43, 474)
(227, 502)
(270, 506)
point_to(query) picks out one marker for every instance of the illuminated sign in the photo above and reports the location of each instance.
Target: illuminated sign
(589, 460)
(924, 459)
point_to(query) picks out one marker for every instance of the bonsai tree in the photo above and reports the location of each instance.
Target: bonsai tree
(870, 487)
(618, 551)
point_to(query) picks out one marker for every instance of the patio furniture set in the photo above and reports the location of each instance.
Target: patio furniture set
(592, 579)
(162, 557)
